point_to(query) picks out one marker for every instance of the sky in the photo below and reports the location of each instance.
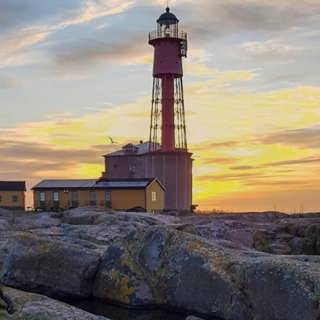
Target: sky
(74, 72)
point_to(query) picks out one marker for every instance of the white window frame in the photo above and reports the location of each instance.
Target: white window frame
(56, 196)
(153, 196)
(42, 196)
(92, 195)
(108, 196)
(74, 195)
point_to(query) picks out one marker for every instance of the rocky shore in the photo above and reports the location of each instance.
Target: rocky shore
(232, 267)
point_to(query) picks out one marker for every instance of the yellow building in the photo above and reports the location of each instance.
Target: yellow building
(12, 195)
(130, 194)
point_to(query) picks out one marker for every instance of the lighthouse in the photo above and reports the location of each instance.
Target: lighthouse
(168, 112)
(165, 156)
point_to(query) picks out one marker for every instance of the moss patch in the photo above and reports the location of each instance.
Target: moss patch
(122, 288)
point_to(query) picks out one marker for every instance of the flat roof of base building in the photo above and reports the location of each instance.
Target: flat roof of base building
(132, 149)
(94, 184)
(12, 186)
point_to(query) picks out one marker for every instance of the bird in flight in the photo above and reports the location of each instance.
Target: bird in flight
(111, 140)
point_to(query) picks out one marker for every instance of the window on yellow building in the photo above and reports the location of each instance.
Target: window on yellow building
(108, 199)
(15, 199)
(56, 198)
(154, 196)
(42, 199)
(92, 198)
(42, 196)
(74, 199)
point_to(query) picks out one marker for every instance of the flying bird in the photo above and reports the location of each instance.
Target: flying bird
(111, 140)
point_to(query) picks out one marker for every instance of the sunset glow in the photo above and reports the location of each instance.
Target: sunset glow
(71, 76)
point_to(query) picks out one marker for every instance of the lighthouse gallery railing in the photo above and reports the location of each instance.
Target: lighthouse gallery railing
(158, 34)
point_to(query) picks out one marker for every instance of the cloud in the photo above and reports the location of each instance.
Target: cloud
(13, 149)
(304, 138)
(214, 145)
(309, 160)
(270, 48)
(243, 168)
(37, 161)
(83, 132)
(218, 161)
(292, 162)
(276, 39)
(12, 13)
(214, 19)
(224, 177)
(96, 9)
(8, 82)
(87, 52)
(32, 30)
(219, 29)
(280, 183)
(13, 47)
(22, 13)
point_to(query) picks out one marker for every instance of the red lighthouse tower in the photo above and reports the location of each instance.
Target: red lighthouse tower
(168, 113)
(165, 156)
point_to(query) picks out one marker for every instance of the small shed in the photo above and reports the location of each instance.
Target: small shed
(12, 195)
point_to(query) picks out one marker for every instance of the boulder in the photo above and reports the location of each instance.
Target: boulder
(302, 246)
(48, 266)
(296, 237)
(82, 216)
(5, 213)
(4, 225)
(281, 288)
(35, 221)
(29, 306)
(186, 272)
(121, 280)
